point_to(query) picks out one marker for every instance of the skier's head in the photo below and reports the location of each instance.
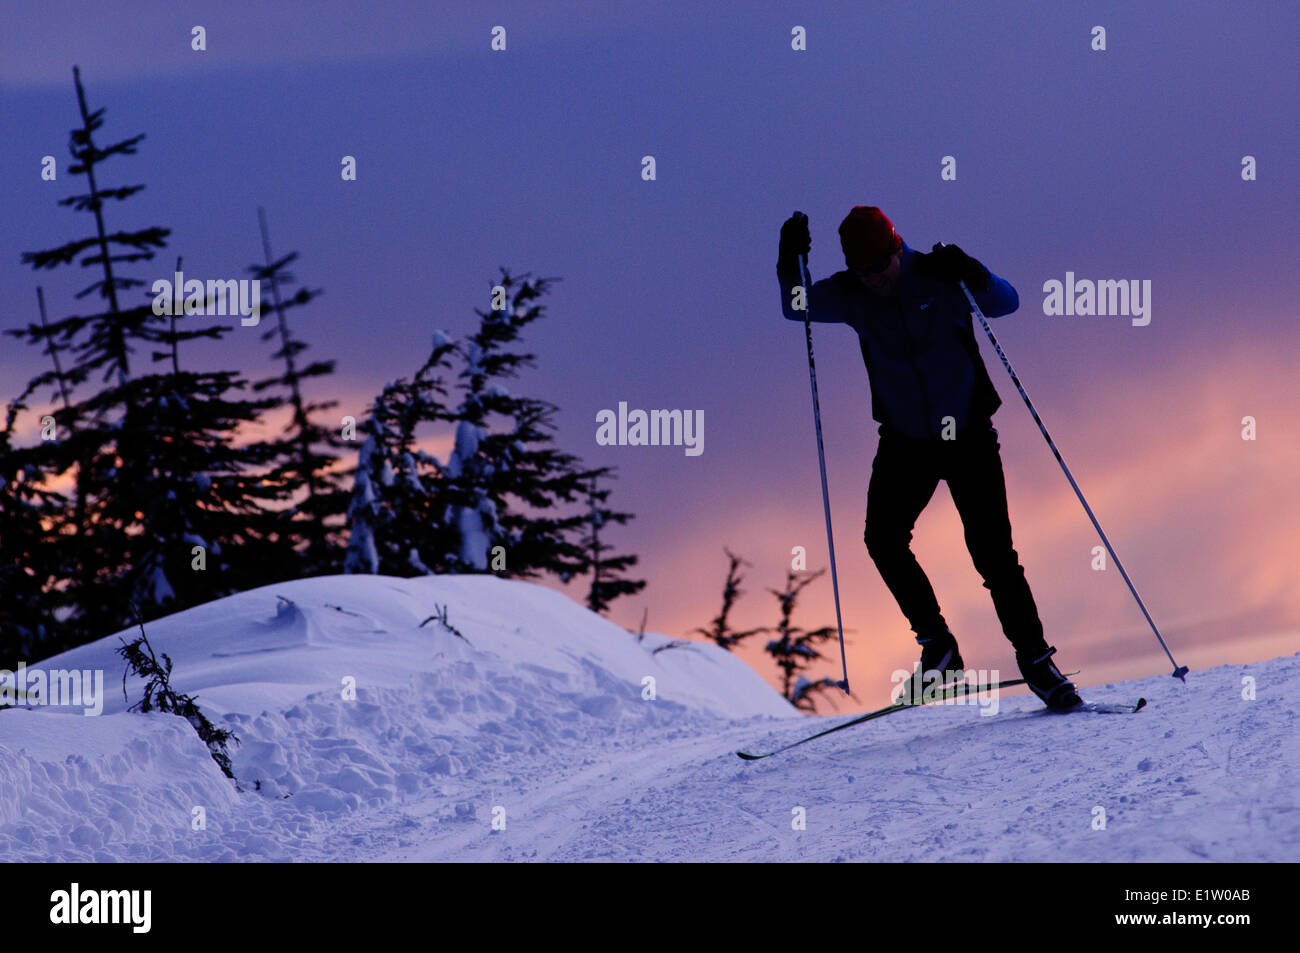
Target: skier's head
(872, 249)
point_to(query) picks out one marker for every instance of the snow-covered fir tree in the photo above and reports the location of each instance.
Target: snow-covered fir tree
(506, 482)
(506, 499)
(394, 517)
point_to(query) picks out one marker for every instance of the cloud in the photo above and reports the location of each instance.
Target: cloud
(149, 38)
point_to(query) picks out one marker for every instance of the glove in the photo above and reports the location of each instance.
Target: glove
(795, 238)
(950, 263)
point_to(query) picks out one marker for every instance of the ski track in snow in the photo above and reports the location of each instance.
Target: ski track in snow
(539, 712)
(944, 787)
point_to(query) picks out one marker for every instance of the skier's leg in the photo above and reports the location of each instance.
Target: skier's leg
(975, 479)
(903, 479)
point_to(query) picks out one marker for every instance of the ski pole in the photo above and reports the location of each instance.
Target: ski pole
(821, 458)
(1180, 671)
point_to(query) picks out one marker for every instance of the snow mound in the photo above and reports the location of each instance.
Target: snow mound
(347, 693)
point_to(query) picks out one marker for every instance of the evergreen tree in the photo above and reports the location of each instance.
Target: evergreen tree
(101, 345)
(160, 695)
(367, 513)
(719, 629)
(156, 469)
(606, 582)
(211, 522)
(795, 649)
(502, 485)
(305, 452)
(393, 518)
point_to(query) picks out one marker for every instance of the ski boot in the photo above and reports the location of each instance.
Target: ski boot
(939, 654)
(1046, 681)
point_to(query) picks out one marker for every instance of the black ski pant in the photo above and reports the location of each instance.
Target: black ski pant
(904, 477)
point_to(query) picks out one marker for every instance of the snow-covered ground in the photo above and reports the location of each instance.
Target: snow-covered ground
(541, 720)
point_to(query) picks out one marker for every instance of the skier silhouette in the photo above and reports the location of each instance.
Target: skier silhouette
(934, 401)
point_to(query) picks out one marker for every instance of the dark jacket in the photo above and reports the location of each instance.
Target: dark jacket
(918, 344)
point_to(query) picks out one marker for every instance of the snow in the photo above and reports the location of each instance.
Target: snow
(468, 437)
(362, 555)
(473, 537)
(158, 590)
(542, 713)
(474, 525)
(474, 360)
(411, 474)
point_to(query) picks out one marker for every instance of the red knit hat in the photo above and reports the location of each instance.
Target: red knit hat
(867, 236)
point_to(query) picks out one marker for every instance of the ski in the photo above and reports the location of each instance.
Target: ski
(948, 693)
(1102, 708)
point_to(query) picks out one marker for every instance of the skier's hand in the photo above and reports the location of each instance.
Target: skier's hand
(950, 263)
(795, 237)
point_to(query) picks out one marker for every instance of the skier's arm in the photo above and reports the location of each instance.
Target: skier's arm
(998, 298)
(994, 294)
(824, 300)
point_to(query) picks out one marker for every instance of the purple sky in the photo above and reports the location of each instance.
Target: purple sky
(1115, 164)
